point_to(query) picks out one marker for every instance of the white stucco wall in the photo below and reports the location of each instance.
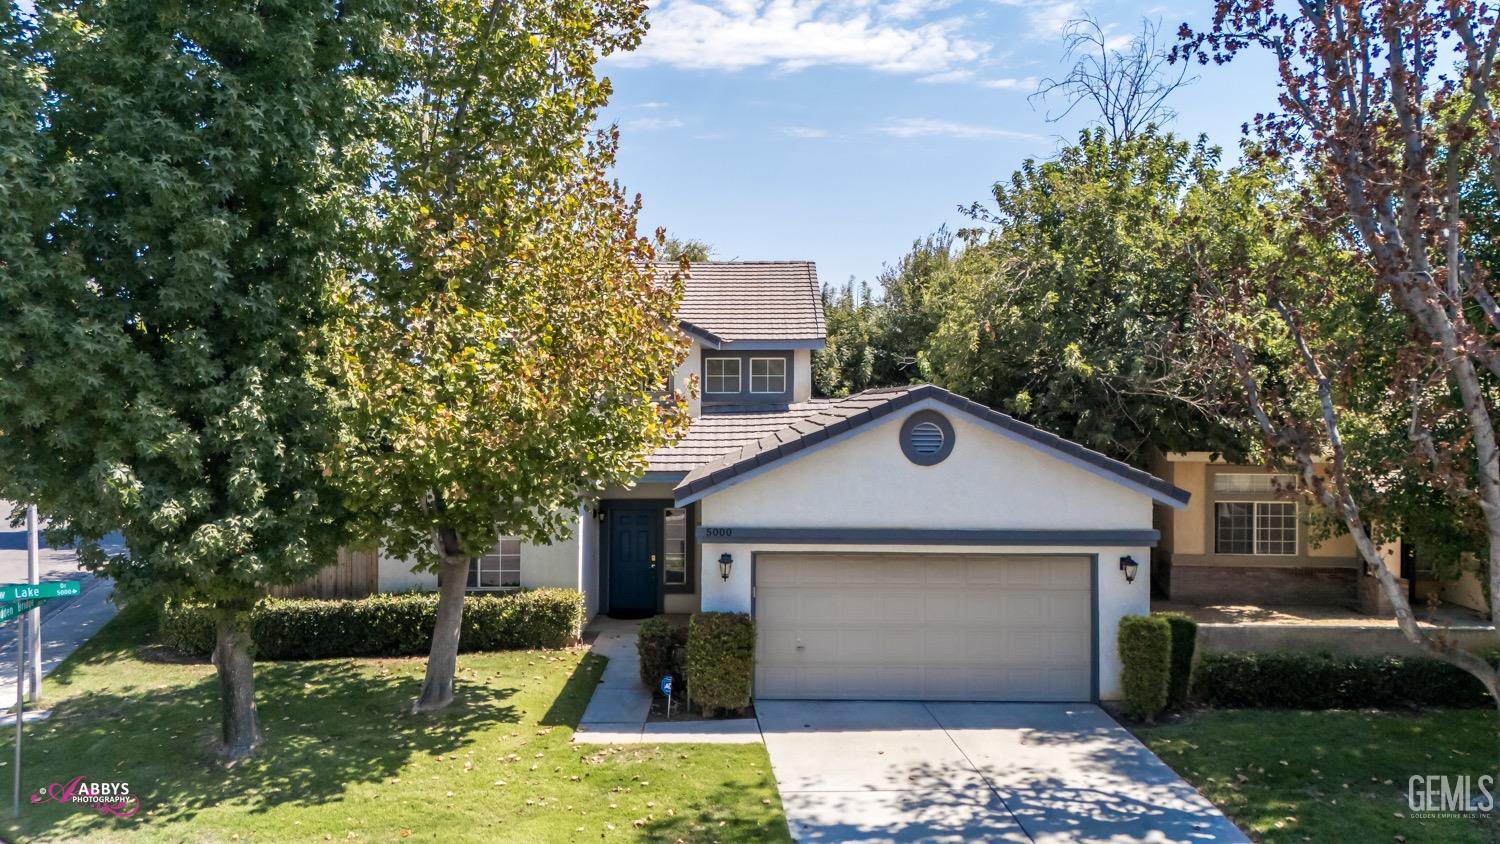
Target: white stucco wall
(557, 564)
(802, 374)
(680, 378)
(588, 562)
(989, 482)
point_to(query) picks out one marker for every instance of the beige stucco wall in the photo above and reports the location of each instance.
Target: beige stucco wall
(801, 374)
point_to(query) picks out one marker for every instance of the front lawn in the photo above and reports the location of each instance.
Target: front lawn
(345, 760)
(1331, 776)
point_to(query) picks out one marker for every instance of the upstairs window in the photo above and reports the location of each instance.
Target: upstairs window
(721, 375)
(498, 570)
(768, 375)
(1253, 482)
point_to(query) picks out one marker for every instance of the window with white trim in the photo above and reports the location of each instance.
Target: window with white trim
(768, 375)
(498, 570)
(675, 547)
(721, 375)
(1253, 482)
(1255, 528)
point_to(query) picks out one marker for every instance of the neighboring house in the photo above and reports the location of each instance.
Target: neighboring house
(1244, 538)
(901, 543)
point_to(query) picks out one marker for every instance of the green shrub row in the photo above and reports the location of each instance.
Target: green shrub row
(385, 625)
(720, 660)
(662, 646)
(1325, 681)
(1184, 643)
(1145, 643)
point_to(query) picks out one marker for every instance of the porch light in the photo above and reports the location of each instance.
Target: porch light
(1130, 567)
(725, 561)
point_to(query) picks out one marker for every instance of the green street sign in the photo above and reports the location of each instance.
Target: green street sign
(30, 591)
(10, 611)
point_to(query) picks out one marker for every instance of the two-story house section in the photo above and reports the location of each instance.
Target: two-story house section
(901, 543)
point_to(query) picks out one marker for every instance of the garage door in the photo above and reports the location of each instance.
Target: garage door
(923, 627)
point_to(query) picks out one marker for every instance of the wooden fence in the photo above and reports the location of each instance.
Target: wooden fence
(355, 575)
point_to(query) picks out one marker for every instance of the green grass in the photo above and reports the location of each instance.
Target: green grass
(343, 758)
(1331, 776)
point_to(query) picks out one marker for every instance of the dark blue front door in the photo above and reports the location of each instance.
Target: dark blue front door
(634, 540)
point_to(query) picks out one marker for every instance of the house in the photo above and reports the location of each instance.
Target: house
(901, 543)
(1245, 538)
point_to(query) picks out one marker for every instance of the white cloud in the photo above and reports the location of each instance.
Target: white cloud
(894, 36)
(963, 75)
(653, 104)
(653, 124)
(923, 127)
(1024, 83)
(806, 132)
(1047, 18)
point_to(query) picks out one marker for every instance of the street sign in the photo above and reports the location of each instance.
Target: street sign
(53, 589)
(10, 611)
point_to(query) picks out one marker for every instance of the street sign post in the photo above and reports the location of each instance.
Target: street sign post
(17, 599)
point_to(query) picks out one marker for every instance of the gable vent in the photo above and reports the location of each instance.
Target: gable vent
(925, 438)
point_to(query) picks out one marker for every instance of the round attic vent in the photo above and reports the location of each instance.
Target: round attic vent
(926, 437)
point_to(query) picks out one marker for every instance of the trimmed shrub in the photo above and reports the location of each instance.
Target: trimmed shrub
(1145, 644)
(385, 625)
(1327, 681)
(1184, 642)
(662, 646)
(721, 660)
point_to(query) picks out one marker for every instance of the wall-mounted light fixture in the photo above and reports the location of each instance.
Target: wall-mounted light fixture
(1130, 567)
(725, 562)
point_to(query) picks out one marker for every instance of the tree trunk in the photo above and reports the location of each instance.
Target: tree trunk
(241, 724)
(442, 660)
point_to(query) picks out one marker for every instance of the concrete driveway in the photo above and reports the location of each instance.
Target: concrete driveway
(1012, 772)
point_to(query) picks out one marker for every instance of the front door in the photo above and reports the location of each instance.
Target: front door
(634, 543)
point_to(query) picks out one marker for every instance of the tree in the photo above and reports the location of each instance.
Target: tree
(180, 194)
(508, 342)
(1128, 88)
(675, 250)
(1070, 309)
(1389, 135)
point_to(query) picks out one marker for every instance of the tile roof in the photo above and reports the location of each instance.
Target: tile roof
(833, 417)
(745, 301)
(726, 428)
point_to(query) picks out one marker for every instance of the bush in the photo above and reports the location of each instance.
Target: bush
(1327, 681)
(385, 625)
(1145, 644)
(1184, 642)
(662, 646)
(721, 660)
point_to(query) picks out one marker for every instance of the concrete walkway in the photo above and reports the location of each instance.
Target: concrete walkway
(618, 711)
(962, 772)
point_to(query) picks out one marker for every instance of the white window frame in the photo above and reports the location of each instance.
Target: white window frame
(767, 376)
(501, 563)
(1255, 538)
(708, 376)
(1290, 482)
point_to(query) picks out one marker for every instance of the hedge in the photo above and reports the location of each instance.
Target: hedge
(1327, 681)
(721, 660)
(1145, 644)
(662, 646)
(385, 625)
(1184, 642)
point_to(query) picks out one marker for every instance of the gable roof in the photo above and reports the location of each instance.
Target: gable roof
(728, 304)
(844, 415)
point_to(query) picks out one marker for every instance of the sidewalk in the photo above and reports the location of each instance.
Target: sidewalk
(617, 712)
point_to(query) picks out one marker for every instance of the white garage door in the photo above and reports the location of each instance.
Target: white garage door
(923, 627)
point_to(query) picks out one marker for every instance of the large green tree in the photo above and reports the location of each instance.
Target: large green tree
(508, 342)
(166, 299)
(1070, 305)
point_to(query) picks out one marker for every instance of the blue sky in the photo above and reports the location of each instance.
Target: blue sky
(839, 131)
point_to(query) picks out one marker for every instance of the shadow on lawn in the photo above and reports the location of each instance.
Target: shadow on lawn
(327, 726)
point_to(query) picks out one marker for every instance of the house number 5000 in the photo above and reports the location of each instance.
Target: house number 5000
(718, 532)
